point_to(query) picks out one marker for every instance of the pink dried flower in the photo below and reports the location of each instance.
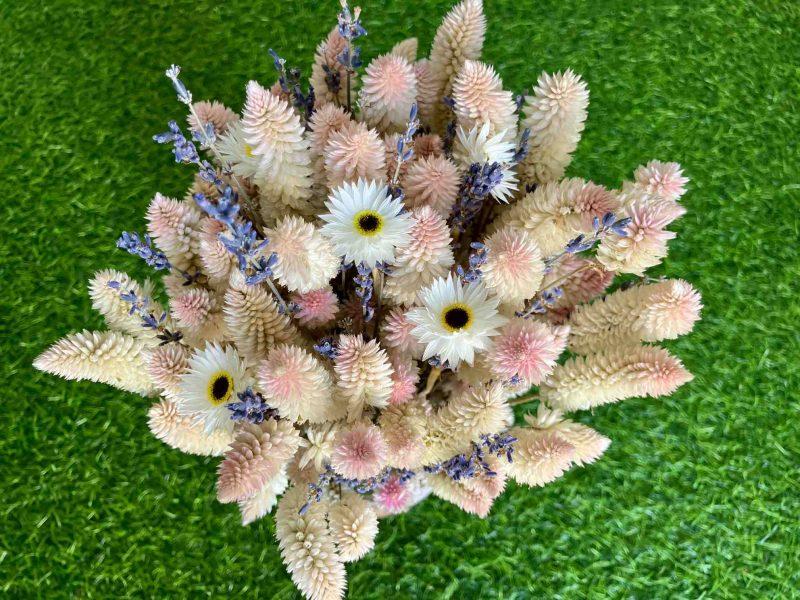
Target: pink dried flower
(352, 153)
(432, 181)
(528, 349)
(397, 333)
(359, 452)
(514, 267)
(166, 365)
(388, 90)
(404, 381)
(393, 496)
(216, 113)
(323, 122)
(479, 98)
(662, 179)
(363, 373)
(428, 145)
(192, 309)
(316, 308)
(540, 457)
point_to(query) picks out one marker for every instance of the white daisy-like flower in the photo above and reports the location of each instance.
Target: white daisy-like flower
(237, 153)
(477, 146)
(214, 378)
(365, 224)
(455, 320)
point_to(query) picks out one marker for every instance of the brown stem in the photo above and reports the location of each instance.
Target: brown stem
(524, 399)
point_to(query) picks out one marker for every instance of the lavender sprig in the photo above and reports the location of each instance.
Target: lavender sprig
(144, 249)
(364, 289)
(478, 183)
(350, 28)
(329, 477)
(467, 466)
(251, 407)
(140, 306)
(327, 348)
(289, 80)
(405, 152)
(476, 260)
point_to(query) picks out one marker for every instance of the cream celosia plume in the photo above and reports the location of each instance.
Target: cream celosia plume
(514, 267)
(256, 455)
(540, 456)
(363, 374)
(479, 98)
(216, 262)
(662, 179)
(353, 525)
(613, 375)
(117, 312)
(555, 115)
(406, 49)
(388, 90)
(428, 256)
(183, 433)
(102, 356)
(275, 133)
(427, 90)
(174, 225)
(588, 445)
(306, 260)
(297, 385)
(458, 39)
(323, 122)
(643, 313)
(308, 548)
(262, 502)
(213, 112)
(403, 429)
(354, 152)
(432, 181)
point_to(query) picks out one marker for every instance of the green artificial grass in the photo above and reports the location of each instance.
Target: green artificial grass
(698, 495)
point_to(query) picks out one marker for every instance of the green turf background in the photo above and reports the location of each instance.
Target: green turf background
(697, 497)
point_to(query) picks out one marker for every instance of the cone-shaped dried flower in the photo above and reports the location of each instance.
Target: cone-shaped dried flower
(432, 181)
(479, 98)
(102, 356)
(183, 433)
(363, 374)
(354, 526)
(662, 179)
(254, 322)
(115, 310)
(217, 263)
(261, 504)
(406, 49)
(392, 497)
(196, 314)
(316, 308)
(514, 267)
(555, 213)
(273, 130)
(216, 113)
(323, 122)
(359, 451)
(475, 412)
(527, 349)
(352, 153)
(404, 380)
(388, 90)
(403, 428)
(540, 456)
(297, 385)
(306, 260)
(166, 365)
(475, 495)
(589, 445)
(458, 39)
(328, 75)
(258, 453)
(397, 335)
(307, 547)
(428, 145)
(320, 445)
(644, 313)
(428, 256)
(174, 226)
(555, 115)
(613, 375)
(427, 92)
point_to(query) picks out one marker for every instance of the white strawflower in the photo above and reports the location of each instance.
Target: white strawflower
(238, 154)
(215, 376)
(479, 145)
(455, 320)
(365, 223)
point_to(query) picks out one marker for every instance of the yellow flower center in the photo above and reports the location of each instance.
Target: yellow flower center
(220, 388)
(368, 223)
(457, 317)
(248, 150)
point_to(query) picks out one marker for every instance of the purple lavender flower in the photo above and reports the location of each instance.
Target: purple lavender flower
(143, 248)
(251, 407)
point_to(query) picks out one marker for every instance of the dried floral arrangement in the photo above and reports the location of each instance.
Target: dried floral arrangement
(368, 273)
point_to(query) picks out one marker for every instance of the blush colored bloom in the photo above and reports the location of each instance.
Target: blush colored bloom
(359, 452)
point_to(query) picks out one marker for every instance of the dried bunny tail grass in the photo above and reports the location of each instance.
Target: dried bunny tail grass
(101, 356)
(432, 181)
(316, 307)
(307, 547)
(363, 374)
(514, 267)
(352, 153)
(354, 525)
(526, 349)
(475, 495)
(257, 454)
(359, 451)
(554, 213)
(254, 321)
(582, 383)
(427, 90)
(397, 336)
(555, 115)
(327, 57)
(645, 244)
(217, 262)
(183, 433)
(458, 39)
(297, 385)
(165, 366)
(540, 456)
(174, 226)
(273, 130)
(662, 179)
(117, 312)
(306, 259)
(428, 255)
(406, 48)
(644, 313)
(479, 98)
(213, 112)
(388, 90)
(262, 502)
(323, 122)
